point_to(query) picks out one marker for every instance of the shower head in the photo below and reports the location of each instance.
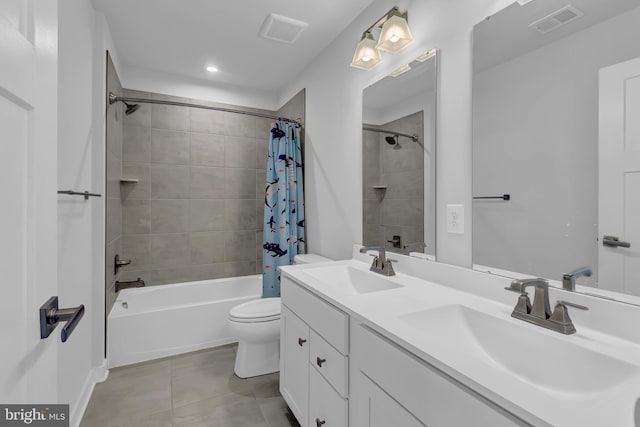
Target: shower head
(391, 140)
(131, 108)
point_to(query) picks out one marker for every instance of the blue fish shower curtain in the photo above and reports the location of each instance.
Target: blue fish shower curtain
(284, 205)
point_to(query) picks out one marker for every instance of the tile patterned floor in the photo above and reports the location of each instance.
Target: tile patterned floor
(193, 390)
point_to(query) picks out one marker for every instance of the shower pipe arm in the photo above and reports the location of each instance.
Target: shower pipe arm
(113, 98)
(413, 137)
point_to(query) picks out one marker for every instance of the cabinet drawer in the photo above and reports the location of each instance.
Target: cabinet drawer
(332, 365)
(431, 396)
(321, 316)
(326, 407)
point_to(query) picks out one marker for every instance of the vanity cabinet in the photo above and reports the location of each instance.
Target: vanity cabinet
(390, 386)
(314, 363)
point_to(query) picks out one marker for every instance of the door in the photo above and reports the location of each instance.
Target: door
(294, 364)
(619, 177)
(28, 151)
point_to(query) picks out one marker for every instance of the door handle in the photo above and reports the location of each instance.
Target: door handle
(51, 315)
(301, 342)
(320, 361)
(319, 422)
(614, 242)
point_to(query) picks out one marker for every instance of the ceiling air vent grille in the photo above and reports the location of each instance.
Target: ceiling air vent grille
(556, 20)
(282, 29)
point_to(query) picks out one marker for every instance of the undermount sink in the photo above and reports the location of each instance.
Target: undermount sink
(476, 341)
(351, 281)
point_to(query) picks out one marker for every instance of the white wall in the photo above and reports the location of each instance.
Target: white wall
(334, 117)
(536, 138)
(83, 38)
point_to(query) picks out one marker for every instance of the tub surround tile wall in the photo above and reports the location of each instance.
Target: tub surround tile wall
(196, 212)
(114, 206)
(399, 209)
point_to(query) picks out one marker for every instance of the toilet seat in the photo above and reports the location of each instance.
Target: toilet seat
(260, 310)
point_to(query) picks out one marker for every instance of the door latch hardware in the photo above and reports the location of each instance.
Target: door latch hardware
(614, 242)
(51, 315)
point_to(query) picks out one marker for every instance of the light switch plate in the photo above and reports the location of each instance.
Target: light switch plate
(455, 219)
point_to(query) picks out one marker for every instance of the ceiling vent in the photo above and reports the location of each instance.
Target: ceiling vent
(556, 20)
(282, 29)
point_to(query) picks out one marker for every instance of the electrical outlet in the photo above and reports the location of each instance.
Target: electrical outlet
(455, 219)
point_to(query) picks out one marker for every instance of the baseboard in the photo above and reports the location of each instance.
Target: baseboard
(96, 375)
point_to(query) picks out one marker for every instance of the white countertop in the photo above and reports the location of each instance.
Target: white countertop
(609, 406)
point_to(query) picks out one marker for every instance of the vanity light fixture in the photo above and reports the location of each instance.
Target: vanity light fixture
(428, 54)
(367, 54)
(400, 71)
(394, 36)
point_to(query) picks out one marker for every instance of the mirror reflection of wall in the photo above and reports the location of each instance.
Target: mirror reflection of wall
(535, 133)
(398, 142)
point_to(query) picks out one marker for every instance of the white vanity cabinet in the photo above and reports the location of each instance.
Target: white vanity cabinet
(314, 343)
(390, 386)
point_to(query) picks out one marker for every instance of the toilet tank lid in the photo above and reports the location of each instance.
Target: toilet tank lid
(310, 259)
(263, 307)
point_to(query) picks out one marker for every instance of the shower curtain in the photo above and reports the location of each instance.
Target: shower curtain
(283, 205)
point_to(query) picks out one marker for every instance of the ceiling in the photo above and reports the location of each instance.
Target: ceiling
(506, 35)
(182, 37)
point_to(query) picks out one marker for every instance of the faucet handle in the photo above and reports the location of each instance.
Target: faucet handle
(375, 264)
(387, 267)
(570, 304)
(561, 317)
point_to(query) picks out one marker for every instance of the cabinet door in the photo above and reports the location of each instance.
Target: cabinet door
(370, 406)
(294, 364)
(326, 407)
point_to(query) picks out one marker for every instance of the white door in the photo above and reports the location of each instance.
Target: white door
(28, 150)
(619, 182)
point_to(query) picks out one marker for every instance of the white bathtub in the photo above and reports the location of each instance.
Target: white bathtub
(159, 321)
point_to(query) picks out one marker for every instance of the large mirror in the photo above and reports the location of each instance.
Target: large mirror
(556, 143)
(398, 142)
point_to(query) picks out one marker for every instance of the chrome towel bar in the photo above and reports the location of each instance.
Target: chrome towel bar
(86, 194)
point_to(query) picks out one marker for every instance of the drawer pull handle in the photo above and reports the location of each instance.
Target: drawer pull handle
(301, 342)
(319, 361)
(320, 423)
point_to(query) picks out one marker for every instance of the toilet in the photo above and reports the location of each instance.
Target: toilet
(256, 324)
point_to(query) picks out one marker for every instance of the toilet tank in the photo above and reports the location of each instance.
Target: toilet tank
(309, 259)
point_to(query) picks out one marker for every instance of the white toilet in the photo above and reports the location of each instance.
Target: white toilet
(256, 324)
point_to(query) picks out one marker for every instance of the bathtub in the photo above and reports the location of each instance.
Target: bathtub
(159, 321)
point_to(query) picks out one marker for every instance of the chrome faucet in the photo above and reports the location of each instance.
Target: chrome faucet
(569, 279)
(380, 263)
(138, 283)
(540, 312)
(411, 247)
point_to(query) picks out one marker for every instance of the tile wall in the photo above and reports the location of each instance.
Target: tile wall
(196, 211)
(114, 137)
(398, 209)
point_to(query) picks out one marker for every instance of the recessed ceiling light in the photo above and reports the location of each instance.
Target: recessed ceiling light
(212, 69)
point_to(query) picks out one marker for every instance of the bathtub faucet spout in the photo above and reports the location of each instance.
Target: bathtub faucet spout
(138, 283)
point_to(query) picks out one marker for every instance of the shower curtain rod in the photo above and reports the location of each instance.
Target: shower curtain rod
(390, 132)
(113, 98)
